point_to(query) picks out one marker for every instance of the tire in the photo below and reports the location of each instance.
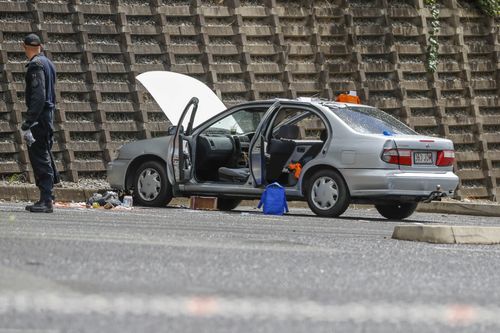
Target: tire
(327, 194)
(227, 204)
(397, 210)
(151, 186)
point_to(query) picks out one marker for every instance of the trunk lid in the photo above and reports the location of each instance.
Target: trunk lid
(424, 153)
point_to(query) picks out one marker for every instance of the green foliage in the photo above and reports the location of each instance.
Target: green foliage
(490, 7)
(433, 48)
(15, 178)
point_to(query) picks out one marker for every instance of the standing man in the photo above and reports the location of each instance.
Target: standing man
(40, 103)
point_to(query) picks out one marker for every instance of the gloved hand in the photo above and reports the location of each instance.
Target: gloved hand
(25, 126)
(28, 136)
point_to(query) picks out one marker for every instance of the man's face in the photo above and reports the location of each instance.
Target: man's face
(29, 50)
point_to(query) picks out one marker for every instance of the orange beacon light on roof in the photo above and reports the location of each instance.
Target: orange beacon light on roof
(349, 98)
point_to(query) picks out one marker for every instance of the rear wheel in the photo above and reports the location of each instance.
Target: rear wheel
(151, 186)
(227, 204)
(397, 210)
(327, 194)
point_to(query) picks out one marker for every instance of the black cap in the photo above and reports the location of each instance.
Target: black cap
(32, 40)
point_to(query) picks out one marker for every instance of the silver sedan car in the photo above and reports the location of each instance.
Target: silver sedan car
(327, 153)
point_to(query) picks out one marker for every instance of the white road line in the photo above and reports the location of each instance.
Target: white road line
(249, 308)
(489, 249)
(22, 330)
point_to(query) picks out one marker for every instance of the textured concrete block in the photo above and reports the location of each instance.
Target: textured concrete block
(32, 194)
(424, 233)
(444, 234)
(476, 235)
(69, 194)
(13, 193)
(461, 208)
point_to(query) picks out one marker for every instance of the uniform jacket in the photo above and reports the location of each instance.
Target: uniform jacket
(40, 92)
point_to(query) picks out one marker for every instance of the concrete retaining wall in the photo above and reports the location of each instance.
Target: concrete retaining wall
(252, 49)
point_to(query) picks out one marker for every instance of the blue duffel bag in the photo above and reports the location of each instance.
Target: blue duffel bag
(274, 200)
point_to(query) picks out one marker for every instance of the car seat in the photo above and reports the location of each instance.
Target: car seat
(233, 175)
(280, 150)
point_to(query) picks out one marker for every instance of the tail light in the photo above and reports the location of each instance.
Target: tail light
(445, 158)
(397, 156)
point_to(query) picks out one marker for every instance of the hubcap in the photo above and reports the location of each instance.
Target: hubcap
(324, 193)
(149, 184)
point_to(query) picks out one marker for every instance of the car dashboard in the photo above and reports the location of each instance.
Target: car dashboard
(220, 150)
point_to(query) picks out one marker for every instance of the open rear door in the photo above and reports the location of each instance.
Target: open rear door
(181, 159)
(258, 146)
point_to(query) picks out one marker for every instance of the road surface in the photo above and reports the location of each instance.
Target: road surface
(181, 270)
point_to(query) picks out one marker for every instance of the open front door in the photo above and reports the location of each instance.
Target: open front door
(258, 145)
(181, 158)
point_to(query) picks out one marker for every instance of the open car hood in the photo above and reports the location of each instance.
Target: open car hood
(172, 91)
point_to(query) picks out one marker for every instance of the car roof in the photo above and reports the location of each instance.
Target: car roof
(303, 100)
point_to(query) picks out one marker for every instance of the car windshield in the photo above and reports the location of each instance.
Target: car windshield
(370, 120)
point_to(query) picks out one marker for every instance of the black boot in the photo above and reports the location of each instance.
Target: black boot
(42, 207)
(28, 207)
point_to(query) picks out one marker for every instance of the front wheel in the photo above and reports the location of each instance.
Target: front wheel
(397, 210)
(327, 194)
(151, 186)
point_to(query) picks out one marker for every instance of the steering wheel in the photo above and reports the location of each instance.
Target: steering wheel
(236, 154)
(237, 144)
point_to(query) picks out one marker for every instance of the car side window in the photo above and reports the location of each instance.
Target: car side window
(237, 123)
(311, 126)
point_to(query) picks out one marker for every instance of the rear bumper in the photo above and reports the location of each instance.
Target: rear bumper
(363, 183)
(116, 172)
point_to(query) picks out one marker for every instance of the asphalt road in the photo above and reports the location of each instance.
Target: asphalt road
(179, 270)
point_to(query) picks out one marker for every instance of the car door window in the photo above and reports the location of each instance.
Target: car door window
(311, 126)
(238, 123)
(285, 116)
(181, 152)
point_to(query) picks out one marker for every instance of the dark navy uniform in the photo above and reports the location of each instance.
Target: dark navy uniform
(40, 102)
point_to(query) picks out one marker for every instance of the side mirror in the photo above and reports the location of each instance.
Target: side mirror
(171, 130)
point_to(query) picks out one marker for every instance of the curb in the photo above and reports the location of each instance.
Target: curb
(460, 208)
(30, 193)
(447, 234)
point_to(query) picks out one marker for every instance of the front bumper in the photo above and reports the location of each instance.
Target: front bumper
(116, 172)
(363, 183)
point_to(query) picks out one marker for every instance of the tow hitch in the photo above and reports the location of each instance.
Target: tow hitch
(435, 195)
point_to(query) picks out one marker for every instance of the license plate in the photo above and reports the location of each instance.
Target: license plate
(422, 158)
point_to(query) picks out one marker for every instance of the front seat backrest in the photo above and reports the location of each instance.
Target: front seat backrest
(288, 132)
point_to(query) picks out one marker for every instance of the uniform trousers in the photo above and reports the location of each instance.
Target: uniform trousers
(41, 162)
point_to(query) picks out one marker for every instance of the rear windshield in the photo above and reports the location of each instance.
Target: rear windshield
(370, 120)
